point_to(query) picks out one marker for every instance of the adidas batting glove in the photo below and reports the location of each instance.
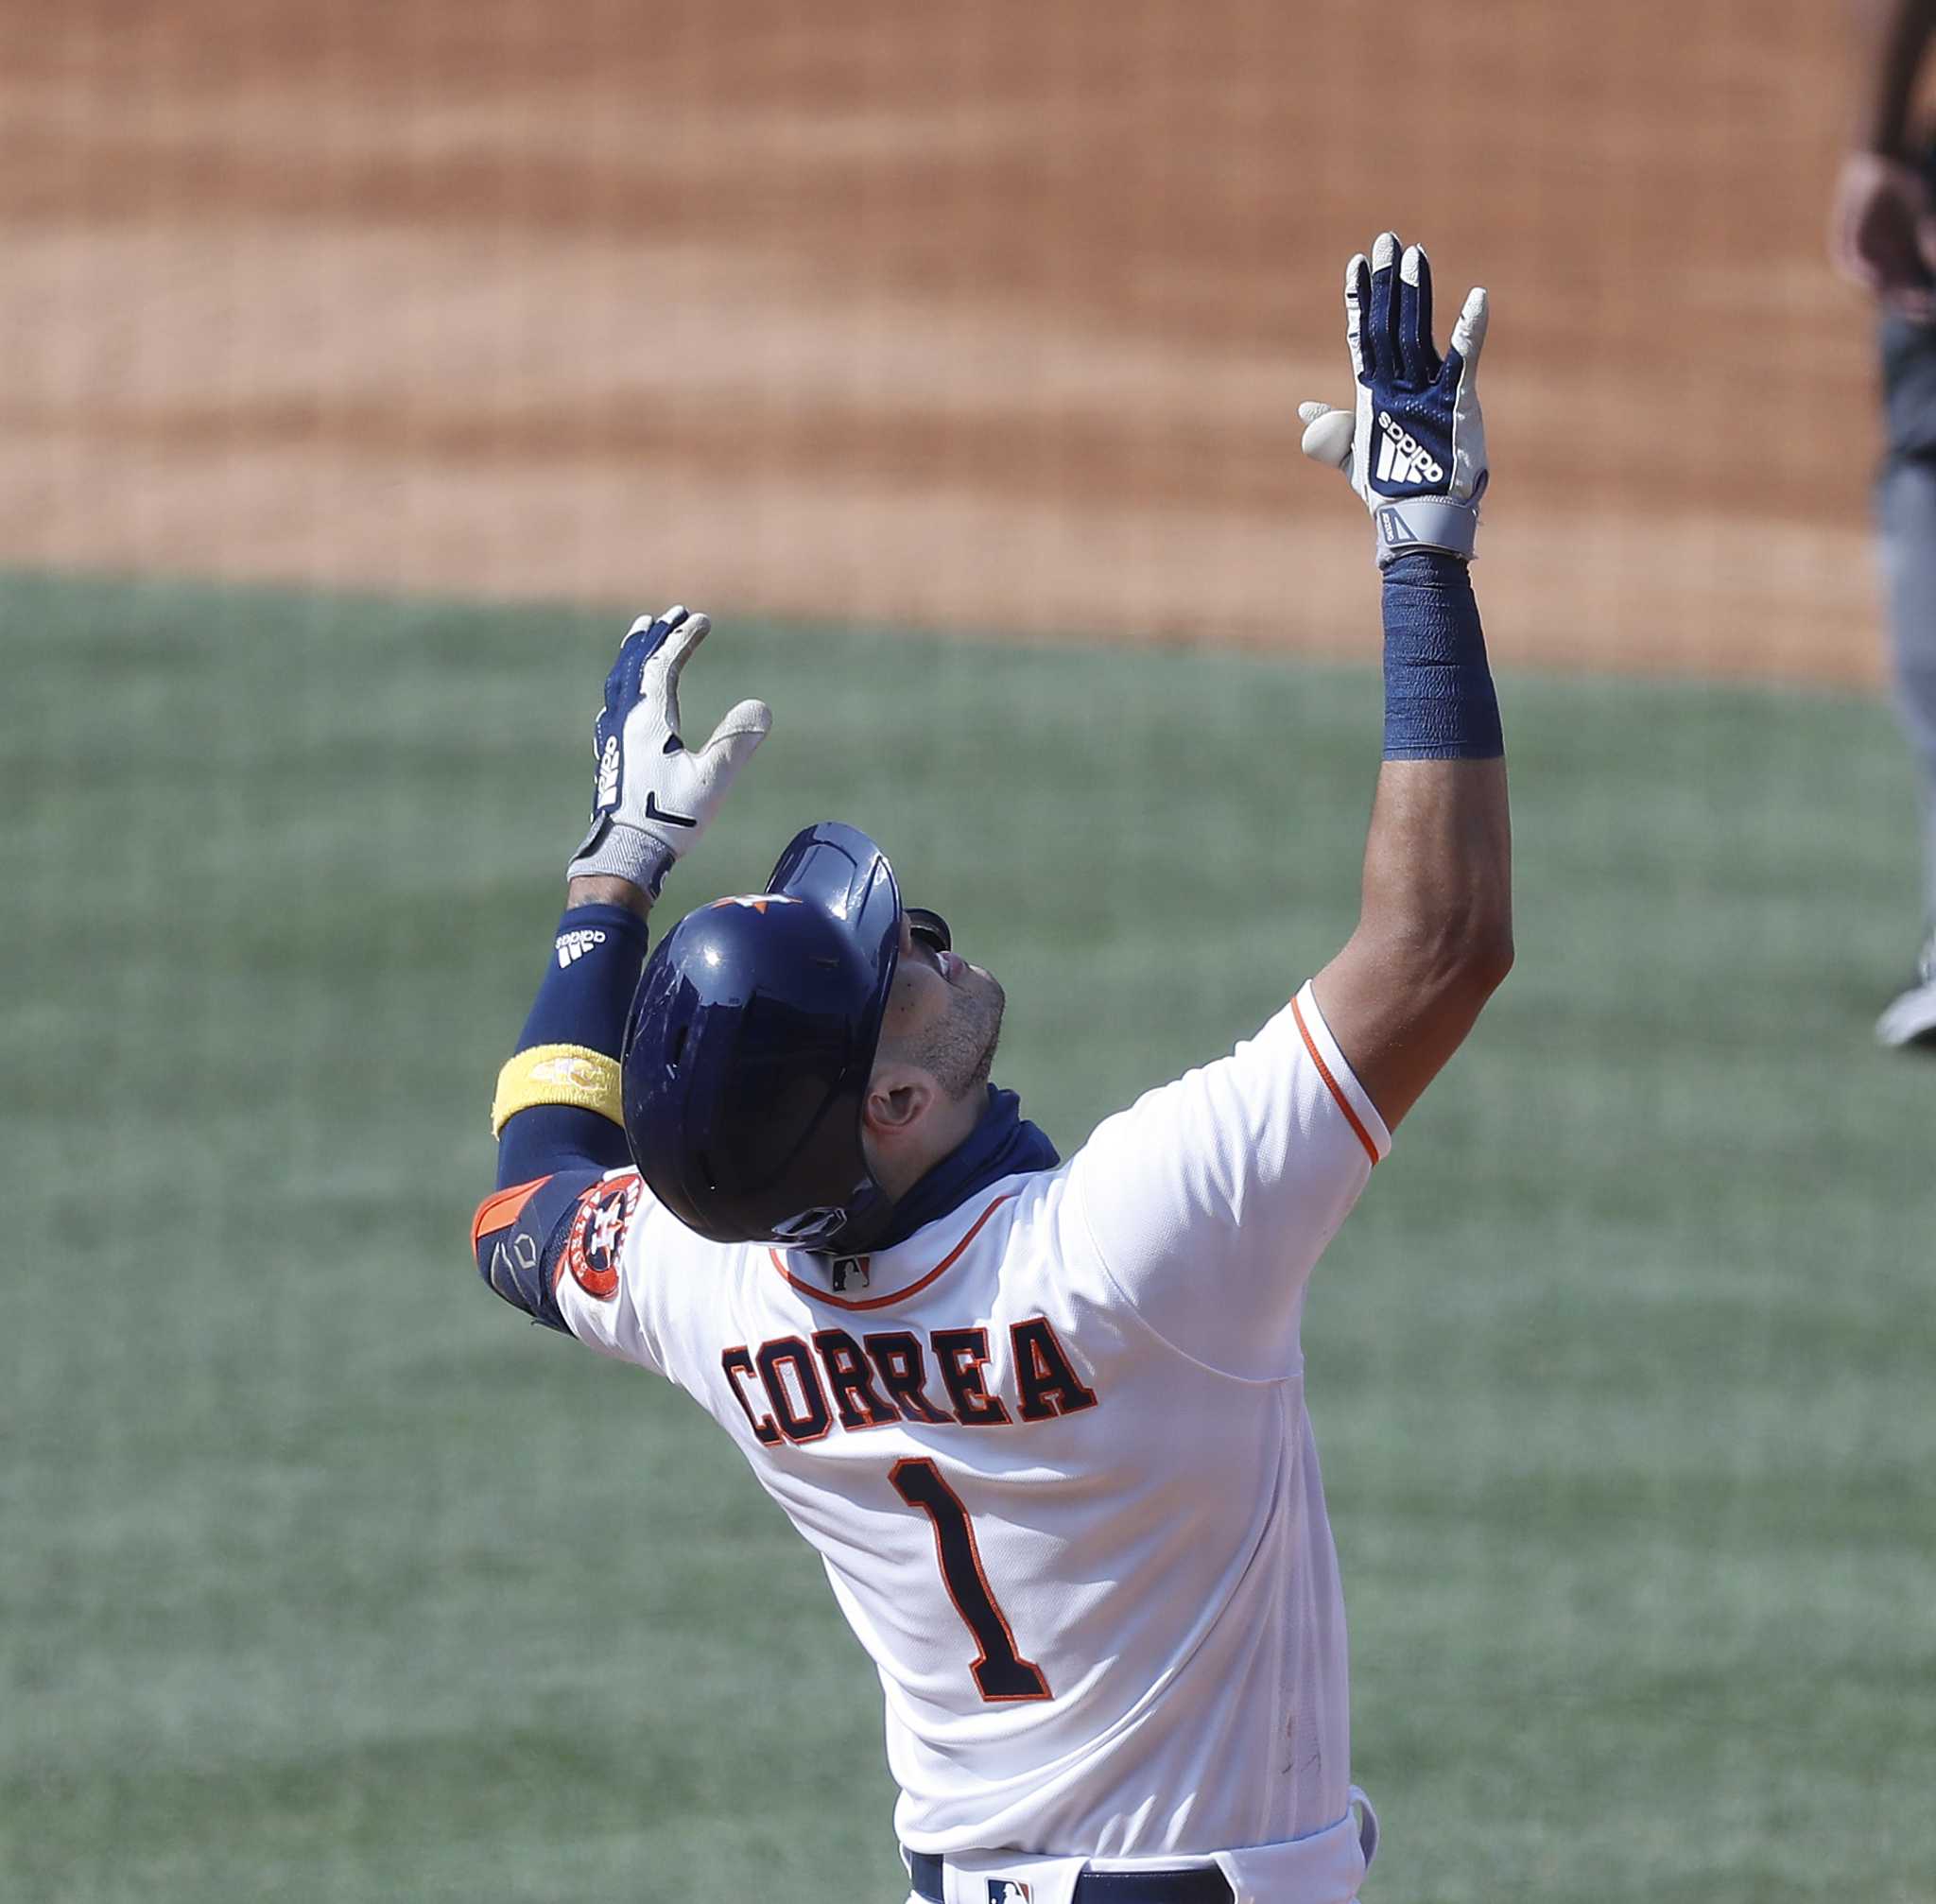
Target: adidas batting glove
(1415, 446)
(653, 799)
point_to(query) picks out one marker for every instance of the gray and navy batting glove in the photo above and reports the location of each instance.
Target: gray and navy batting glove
(1416, 447)
(653, 799)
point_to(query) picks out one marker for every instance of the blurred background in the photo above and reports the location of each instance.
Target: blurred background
(369, 365)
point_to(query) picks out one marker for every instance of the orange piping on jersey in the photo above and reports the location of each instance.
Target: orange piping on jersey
(899, 1295)
(1351, 1117)
(501, 1211)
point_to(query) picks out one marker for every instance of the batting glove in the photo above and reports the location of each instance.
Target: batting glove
(1416, 447)
(653, 799)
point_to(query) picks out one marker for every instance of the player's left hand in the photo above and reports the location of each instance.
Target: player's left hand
(654, 797)
(1414, 448)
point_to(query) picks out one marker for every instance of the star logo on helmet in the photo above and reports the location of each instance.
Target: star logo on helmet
(757, 902)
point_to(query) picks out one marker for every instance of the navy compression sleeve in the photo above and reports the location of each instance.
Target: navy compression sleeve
(552, 1158)
(584, 1000)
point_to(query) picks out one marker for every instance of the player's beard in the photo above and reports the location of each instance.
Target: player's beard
(958, 1051)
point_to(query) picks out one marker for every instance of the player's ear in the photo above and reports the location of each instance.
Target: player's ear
(897, 1096)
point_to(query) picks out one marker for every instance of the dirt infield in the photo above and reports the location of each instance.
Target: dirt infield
(991, 316)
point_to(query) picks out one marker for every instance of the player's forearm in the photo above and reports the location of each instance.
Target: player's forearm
(1437, 875)
(557, 1100)
(1895, 37)
(1438, 878)
(1434, 937)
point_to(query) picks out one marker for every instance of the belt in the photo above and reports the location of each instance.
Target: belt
(1199, 1886)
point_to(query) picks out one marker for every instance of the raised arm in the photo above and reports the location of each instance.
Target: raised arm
(1881, 234)
(1434, 937)
(557, 1114)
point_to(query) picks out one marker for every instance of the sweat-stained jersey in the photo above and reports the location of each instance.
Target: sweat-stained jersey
(1053, 1452)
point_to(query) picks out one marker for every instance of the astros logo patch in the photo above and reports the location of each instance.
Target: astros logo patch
(597, 1228)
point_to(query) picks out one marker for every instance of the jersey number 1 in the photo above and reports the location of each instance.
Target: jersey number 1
(1001, 1673)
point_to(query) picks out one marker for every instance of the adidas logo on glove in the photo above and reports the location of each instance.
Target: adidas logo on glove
(608, 777)
(571, 946)
(1402, 459)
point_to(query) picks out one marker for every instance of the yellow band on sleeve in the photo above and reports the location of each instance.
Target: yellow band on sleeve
(558, 1074)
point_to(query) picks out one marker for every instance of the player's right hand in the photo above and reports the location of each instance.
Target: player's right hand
(654, 798)
(1414, 446)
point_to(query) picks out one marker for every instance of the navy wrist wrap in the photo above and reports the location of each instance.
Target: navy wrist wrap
(1439, 698)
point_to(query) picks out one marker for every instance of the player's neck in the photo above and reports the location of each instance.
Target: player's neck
(949, 1122)
(1002, 1144)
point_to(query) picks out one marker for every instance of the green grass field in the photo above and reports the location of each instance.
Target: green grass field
(327, 1580)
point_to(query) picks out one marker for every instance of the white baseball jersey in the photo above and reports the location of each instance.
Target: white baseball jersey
(1054, 1454)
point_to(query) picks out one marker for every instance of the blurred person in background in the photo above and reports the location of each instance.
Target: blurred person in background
(1883, 237)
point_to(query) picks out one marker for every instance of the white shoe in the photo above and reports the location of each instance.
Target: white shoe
(1911, 1019)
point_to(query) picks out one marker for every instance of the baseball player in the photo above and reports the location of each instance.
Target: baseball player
(1043, 1420)
(1883, 237)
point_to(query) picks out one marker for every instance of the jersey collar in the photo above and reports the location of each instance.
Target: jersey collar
(1002, 1144)
(863, 1283)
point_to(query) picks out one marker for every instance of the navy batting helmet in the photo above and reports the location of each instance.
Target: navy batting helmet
(749, 1046)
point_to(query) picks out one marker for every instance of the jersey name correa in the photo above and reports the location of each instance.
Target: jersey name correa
(883, 1378)
(1054, 1455)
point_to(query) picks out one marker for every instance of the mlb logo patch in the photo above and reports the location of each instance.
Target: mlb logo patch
(1009, 1891)
(851, 1268)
